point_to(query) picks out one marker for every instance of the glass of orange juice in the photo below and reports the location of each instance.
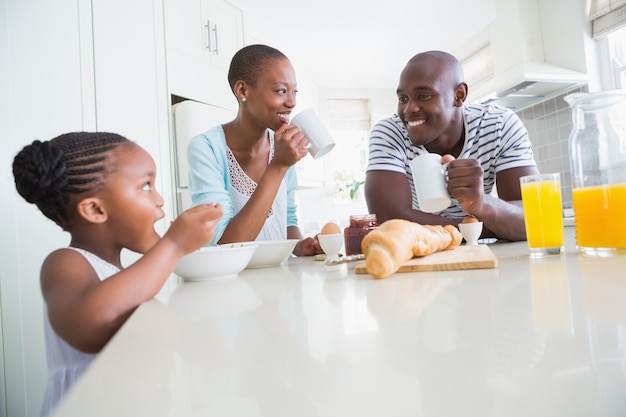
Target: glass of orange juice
(543, 213)
(600, 219)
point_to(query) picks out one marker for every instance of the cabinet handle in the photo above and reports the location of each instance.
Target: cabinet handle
(208, 35)
(217, 44)
(209, 47)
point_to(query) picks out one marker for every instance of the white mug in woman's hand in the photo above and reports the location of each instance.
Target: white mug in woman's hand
(429, 178)
(320, 141)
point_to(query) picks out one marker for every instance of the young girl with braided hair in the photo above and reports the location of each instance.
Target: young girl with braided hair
(100, 188)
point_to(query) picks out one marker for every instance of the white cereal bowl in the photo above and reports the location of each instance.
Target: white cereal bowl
(270, 253)
(214, 262)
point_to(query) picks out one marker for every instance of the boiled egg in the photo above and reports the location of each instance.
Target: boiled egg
(330, 228)
(470, 219)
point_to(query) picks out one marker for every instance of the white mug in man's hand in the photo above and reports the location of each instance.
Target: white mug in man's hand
(429, 178)
(320, 141)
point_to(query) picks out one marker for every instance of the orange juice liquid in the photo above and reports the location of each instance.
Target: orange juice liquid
(543, 214)
(600, 216)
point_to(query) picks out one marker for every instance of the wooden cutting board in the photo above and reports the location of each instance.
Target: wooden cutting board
(463, 257)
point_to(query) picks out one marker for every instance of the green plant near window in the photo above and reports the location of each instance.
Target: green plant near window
(354, 187)
(346, 186)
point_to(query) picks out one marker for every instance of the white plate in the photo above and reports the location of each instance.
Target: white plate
(214, 262)
(270, 252)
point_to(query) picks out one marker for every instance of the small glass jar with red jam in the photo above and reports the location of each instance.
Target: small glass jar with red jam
(360, 225)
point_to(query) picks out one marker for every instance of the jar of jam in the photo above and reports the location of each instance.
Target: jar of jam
(360, 225)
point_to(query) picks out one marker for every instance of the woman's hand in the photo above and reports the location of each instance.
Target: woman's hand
(290, 145)
(308, 247)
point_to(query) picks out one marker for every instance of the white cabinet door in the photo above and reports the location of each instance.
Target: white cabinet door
(130, 81)
(66, 67)
(186, 32)
(224, 31)
(46, 82)
(210, 30)
(202, 36)
(130, 85)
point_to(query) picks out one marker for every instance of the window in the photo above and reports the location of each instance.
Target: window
(606, 16)
(608, 22)
(350, 124)
(617, 50)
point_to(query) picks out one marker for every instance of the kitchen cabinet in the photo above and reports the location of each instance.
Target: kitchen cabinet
(223, 30)
(202, 37)
(46, 90)
(100, 66)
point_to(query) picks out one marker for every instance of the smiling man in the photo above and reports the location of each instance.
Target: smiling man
(487, 146)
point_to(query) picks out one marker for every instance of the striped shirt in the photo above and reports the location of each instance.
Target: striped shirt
(495, 136)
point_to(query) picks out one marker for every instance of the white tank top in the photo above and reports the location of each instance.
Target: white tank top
(65, 363)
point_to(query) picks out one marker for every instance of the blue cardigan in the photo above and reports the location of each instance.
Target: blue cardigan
(209, 180)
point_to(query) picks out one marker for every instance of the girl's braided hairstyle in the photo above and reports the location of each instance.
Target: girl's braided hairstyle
(54, 175)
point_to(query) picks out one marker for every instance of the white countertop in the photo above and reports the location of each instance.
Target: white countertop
(525, 339)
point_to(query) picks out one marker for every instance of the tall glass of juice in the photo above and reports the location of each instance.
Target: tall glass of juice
(543, 213)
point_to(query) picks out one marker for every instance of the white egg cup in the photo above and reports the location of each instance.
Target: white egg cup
(471, 232)
(331, 244)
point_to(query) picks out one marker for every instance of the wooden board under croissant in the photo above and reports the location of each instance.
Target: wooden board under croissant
(463, 257)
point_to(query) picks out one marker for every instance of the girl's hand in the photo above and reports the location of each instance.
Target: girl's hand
(194, 228)
(289, 145)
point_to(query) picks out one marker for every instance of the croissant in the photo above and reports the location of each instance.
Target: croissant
(396, 241)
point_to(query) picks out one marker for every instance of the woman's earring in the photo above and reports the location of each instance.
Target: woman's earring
(243, 99)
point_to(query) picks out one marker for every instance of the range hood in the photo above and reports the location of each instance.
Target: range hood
(538, 82)
(524, 61)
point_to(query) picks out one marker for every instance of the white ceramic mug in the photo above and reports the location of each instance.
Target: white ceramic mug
(320, 141)
(429, 177)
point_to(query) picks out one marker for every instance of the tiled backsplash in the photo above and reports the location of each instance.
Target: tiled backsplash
(549, 125)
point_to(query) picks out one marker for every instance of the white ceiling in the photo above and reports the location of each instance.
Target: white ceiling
(361, 44)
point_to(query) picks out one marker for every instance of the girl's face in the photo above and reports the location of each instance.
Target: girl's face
(273, 97)
(130, 198)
